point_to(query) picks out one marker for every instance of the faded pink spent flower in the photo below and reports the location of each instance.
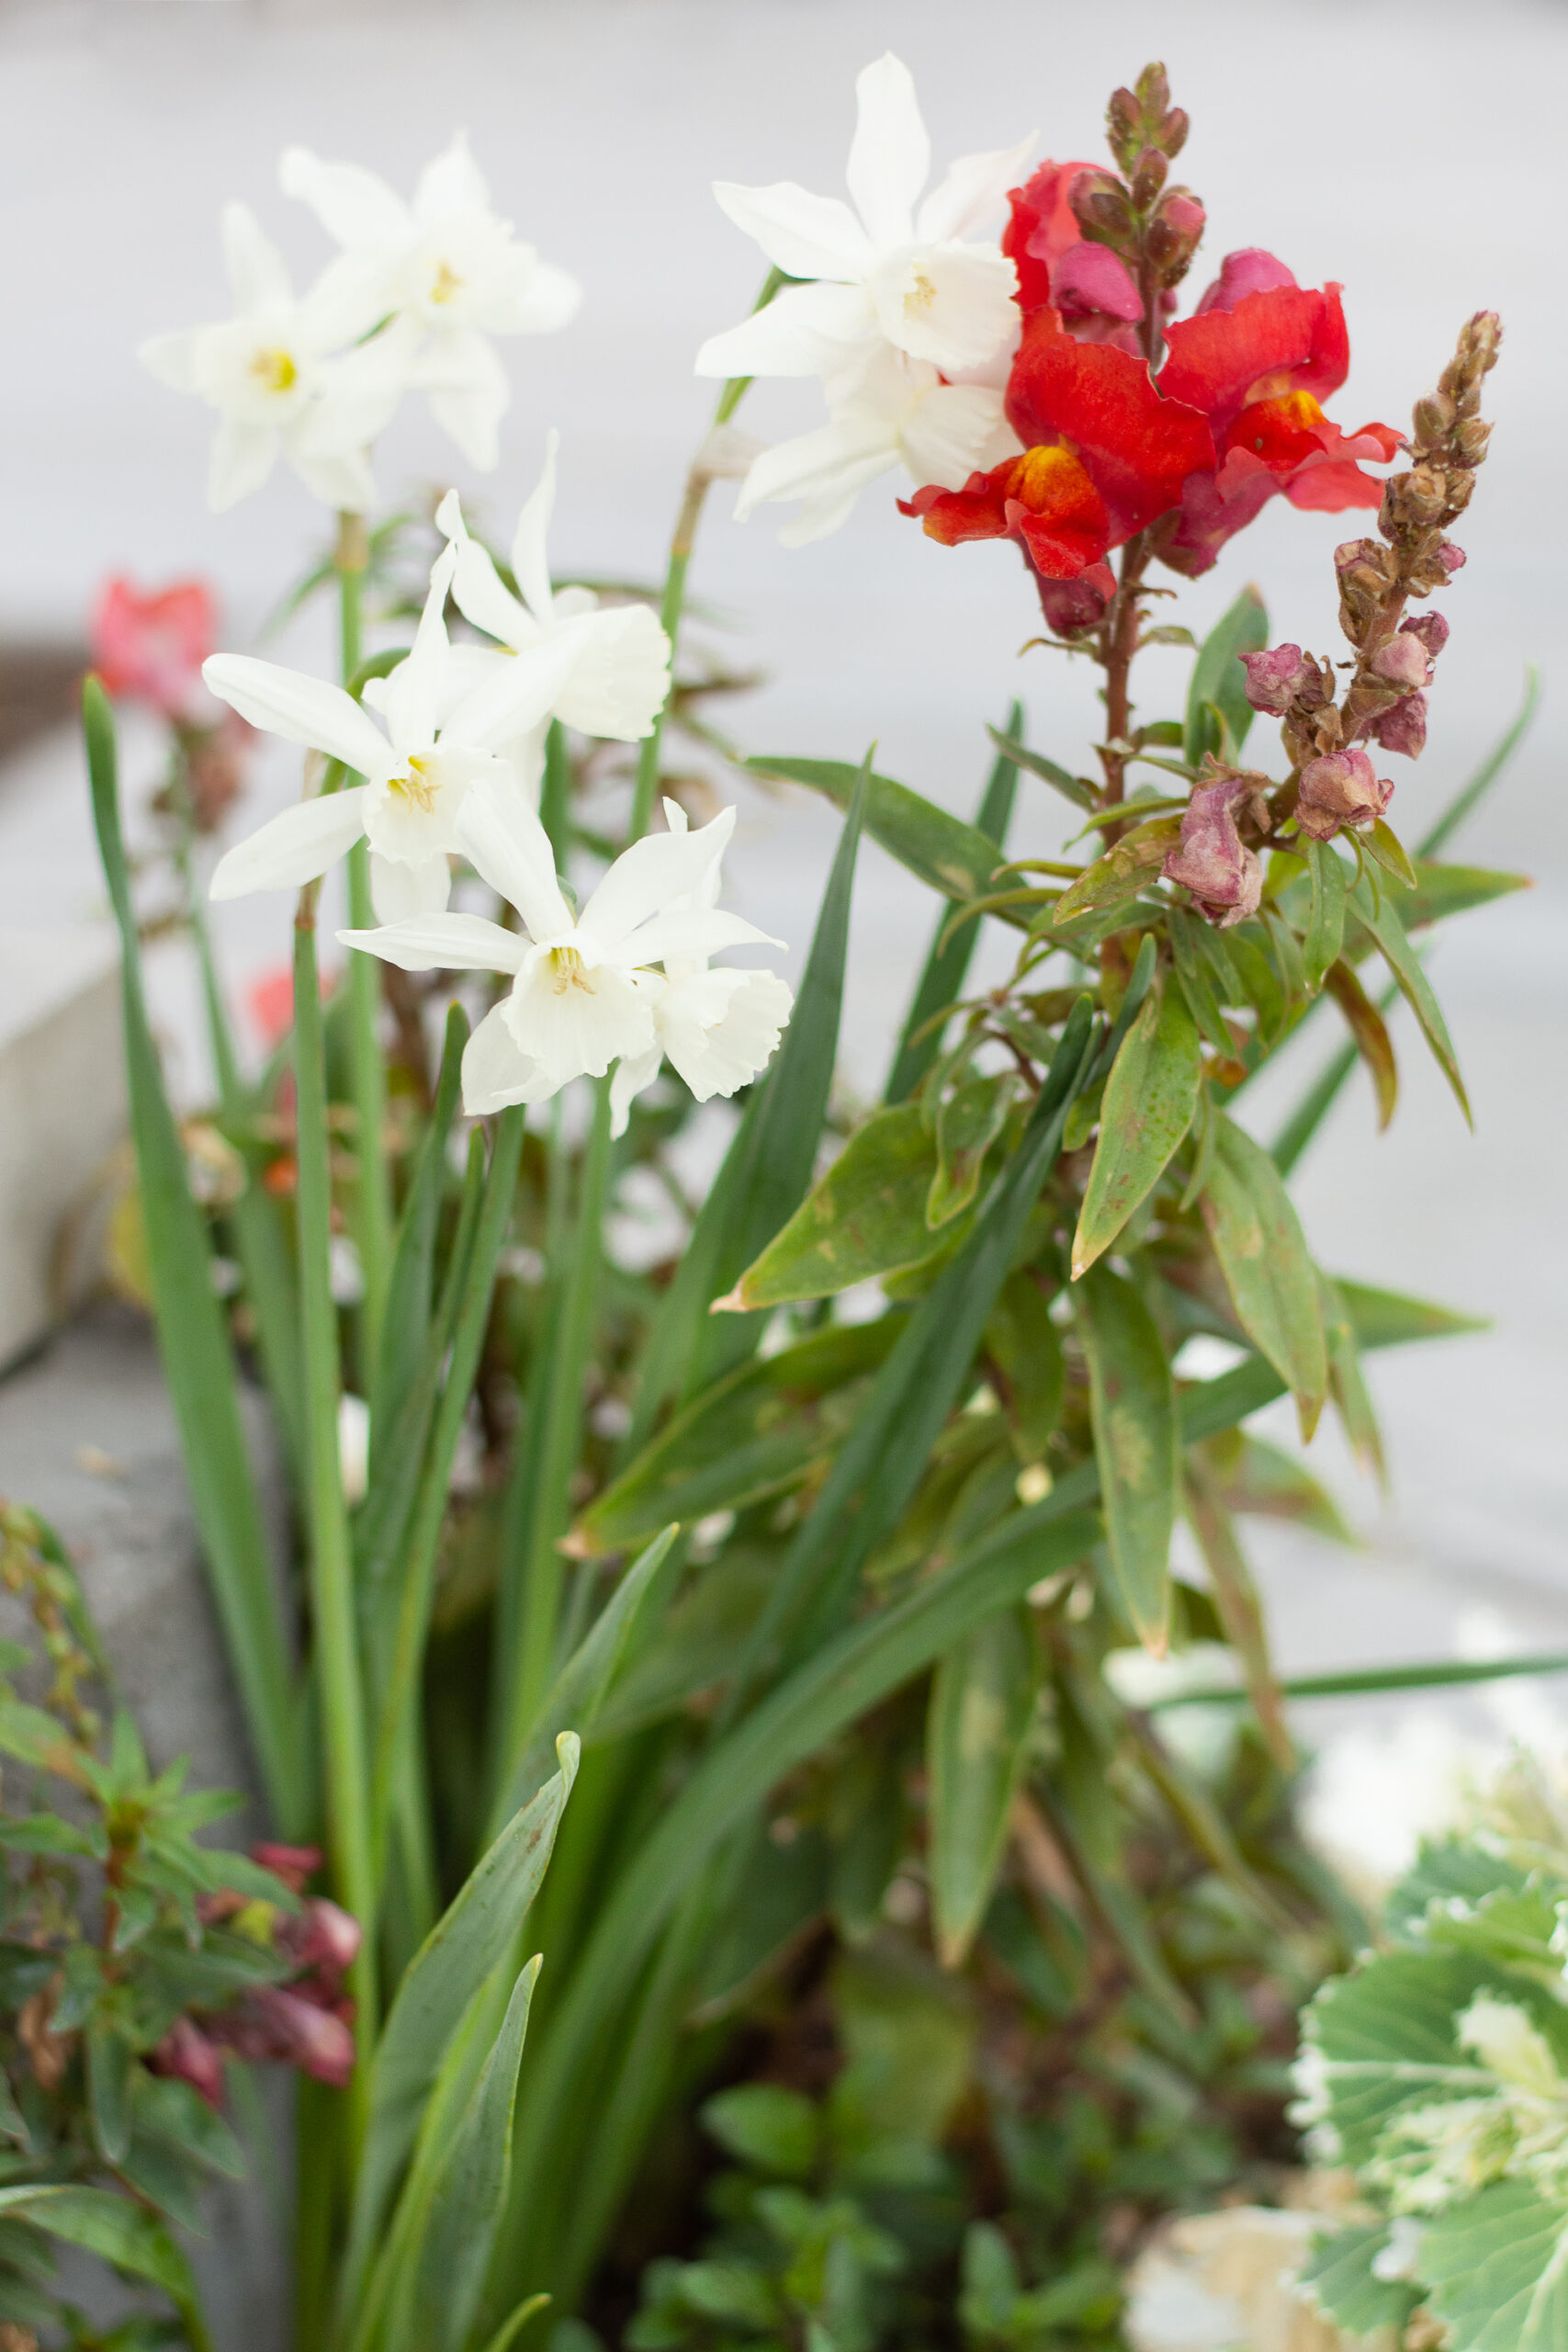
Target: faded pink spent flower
(1403, 729)
(1402, 660)
(189, 2056)
(1431, 629)
(1340, 788)
(1212, 860)
(1275, 677)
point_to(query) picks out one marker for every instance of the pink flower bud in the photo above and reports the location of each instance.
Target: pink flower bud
(1091, 277)
(1403, 729)
(1431, 629)
(1070, 605)
(277, 2023)
(1275, 677)
(1250, 271)
(1402, 660)
(186, 2054)
(321, 1937)
(1451, 557)
(1340, 788)
(295, 1865)
(1212, 860)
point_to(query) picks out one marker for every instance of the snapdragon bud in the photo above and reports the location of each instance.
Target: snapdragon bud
(1433, 419)
(1174, 128)
(1102, 210)
(1452, 559)
(1154, 90)
(1174, 234)
(1340, 788)
(1149, 177)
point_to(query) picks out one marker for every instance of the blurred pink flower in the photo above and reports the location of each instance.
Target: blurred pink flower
(150, 648)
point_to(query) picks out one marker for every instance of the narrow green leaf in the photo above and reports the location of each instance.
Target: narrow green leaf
(1218, 690)
(977, 1727)
(1121, 873)
(1025, 1349)
(1197, 985)
(109, 2061)
(459, 2222)
(946, 967)
(865, 1217)
(955, 858)
(1072, 787)
(1263, 1255)
(198, 1361)
(1133, 1399)
(113, 2228)
(967, 1126)
(1382, 918)
(1369, 1034)
(1383, 844)
(1150, 1098)
(1387, 1319)
(1325, 931)
(406, 1322)
(1345, 1384)
(1444, 890)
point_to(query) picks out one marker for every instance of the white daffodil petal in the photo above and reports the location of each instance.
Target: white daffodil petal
(949, 435)
(257, 278)
(575, 1020)
(819, 517)
(508, 845)
(697, 930)
(358, 395)
(413, 688)
(720, 1028)
(644, 878)
(836, 459)
(972, 192)
(399, 893)
(451, 184)
(468, 392)
(530, 560)
(619, 681)
(352, 205)
(633, 1073)
(804, 235)
(344, 483)
(890, 158)
(294, 847)
(442, 943)
(803, 331)
(520, 692)
(239, 462)
(497, 1072)
(303, 710)
(477, 589)
(951, 304)
(550, 298)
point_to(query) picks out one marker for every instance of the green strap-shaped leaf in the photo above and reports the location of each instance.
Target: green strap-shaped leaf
(1370, 1032)
(866, 1216)
(1382, 918)
(406, 1319)
(767, 1167)
(1150, 1098)
(1325, 926)
(967, 1126)
(955, 858)
(1025, 1350)
(977, 1725)
(947, 966)
(468, 1942)
(1219, 681)
(458, 2224)
(1133, 1399)
(198, 1361)
(1076, 788)
(1122, 871)
(1263, 1255)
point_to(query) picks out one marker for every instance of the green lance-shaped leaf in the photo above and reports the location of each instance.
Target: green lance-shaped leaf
(1121, 873)
(1347, 1383)
(1150, 1099)
(1443, 890)
(865, 1217)
(1025, 1349)
(967, 1126)
(458, 2222)
(947, 964)
(111, 2058)
(1076, 788)
(1497, 2268)
(1219, 681)
(1370, 1032)
(767, 1167)
(753, 1433)
(955, 858)
(471, 1938)
(198, 1360)
(1325, 926)
(1383, 846)
(1263, 1255)
(117, 2231)
(1133, 1397)
(1382, 918)
(977, 1725)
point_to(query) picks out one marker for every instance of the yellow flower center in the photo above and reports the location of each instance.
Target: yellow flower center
(570, 970)
(419, 785)
(922, 294)
(274, 370)
(447, 283)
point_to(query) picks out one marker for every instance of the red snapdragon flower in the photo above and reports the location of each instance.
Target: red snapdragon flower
(1257, 358)
(1105, 454)
(150, 648)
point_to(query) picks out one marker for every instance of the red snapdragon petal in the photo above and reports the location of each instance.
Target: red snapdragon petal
(1044, 498)
(1287, 338)
(1137, 448)
(1092, 278)
(1041, 227)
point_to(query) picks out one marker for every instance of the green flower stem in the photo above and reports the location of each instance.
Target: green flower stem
(331, 1558)
(366, 1063)
(697, 485)
(1365, 1681)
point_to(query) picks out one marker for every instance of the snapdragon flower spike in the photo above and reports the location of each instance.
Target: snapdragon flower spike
(447, 271)
(1090, 287)
(1105, 455)
(914, 278)
(719, 1029)
(270, 373)
(416, 774)
(1257, 359)
(620, 673)
(578, 999)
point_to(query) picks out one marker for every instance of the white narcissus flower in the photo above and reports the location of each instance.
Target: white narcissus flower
(719, 1028)
(582, 993)
(885, 408)
(621, 672)
(269, 373)
(445, 266)
(914, 279)
(416, 774)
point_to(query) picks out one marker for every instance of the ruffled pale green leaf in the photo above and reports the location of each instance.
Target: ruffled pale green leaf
(1343, 2284)
(1497, 2268)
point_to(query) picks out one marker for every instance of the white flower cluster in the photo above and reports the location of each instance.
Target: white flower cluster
(410, 303)
(905, 315)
